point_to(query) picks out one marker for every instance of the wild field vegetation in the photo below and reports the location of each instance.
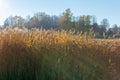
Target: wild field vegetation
(56, 55)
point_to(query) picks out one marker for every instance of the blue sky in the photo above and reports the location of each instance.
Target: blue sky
(109, 9)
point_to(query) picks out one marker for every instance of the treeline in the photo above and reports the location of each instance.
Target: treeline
(66, 21)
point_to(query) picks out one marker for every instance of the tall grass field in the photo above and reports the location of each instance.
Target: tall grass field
(57, 55)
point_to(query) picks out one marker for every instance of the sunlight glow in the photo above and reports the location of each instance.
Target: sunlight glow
(3, 10)
(2, 6)
(1, 1)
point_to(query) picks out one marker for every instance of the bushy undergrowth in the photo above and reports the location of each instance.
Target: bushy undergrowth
(53, 55)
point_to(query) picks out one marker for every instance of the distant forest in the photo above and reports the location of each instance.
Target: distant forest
(66, 21)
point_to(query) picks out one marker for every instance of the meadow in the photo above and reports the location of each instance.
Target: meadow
(57, 55)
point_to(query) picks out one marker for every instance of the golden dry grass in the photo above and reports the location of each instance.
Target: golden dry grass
(56, 55)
